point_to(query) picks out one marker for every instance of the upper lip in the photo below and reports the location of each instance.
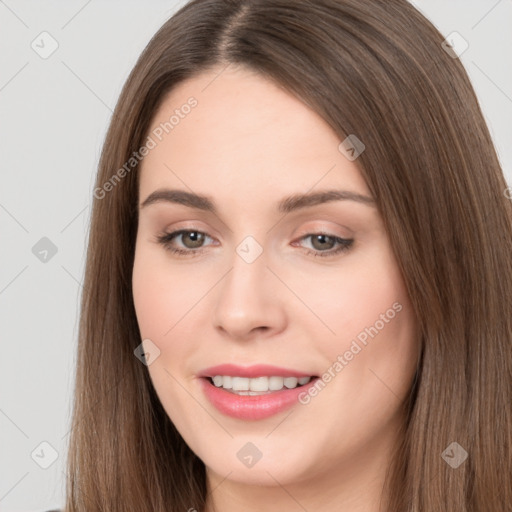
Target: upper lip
(257, 370)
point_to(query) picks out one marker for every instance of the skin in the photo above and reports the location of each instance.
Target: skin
(248, 144)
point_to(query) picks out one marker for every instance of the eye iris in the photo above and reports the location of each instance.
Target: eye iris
(322, 239)
(196, 237)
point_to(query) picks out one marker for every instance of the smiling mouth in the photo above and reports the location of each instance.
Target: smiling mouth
(257, 385)
(254, 397)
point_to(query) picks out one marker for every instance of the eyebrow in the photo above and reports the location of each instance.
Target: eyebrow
(287, 205)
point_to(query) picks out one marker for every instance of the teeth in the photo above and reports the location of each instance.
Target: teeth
(246, 386)
(226, 382)
(275, 383)
(218, 380)
(258, 384)
(240, 384)
(291, 382)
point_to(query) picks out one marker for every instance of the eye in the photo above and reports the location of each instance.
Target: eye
(191, 239)
(325, 245)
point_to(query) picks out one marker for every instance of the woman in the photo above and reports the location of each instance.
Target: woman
(298, 285)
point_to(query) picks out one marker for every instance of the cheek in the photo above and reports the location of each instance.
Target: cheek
(163, 292)
(166, 296)
(367, 306)
(352, 298)
(152, 298)
(162, 296)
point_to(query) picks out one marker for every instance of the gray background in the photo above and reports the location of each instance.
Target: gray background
(53, 118)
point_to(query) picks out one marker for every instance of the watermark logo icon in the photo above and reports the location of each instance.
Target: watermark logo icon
(249, 249)
(44, 45)
(44, 455)
(147, 352)
(351, 147)
(249, 454)
(44, 250)
(454, 455)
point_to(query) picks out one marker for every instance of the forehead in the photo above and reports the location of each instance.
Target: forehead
(243, 133)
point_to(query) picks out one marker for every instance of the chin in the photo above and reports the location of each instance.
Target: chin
(254, 460)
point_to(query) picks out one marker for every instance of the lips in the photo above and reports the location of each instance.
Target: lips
(246, 404)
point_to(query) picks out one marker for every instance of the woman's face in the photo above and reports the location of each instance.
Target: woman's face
(275, 283)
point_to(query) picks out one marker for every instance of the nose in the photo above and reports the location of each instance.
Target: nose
(249, 301)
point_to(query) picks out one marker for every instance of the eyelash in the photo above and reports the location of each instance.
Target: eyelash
(166, 238)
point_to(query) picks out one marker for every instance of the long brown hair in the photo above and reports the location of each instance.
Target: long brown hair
(376, 69)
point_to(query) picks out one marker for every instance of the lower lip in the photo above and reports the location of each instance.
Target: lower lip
(255, 407)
